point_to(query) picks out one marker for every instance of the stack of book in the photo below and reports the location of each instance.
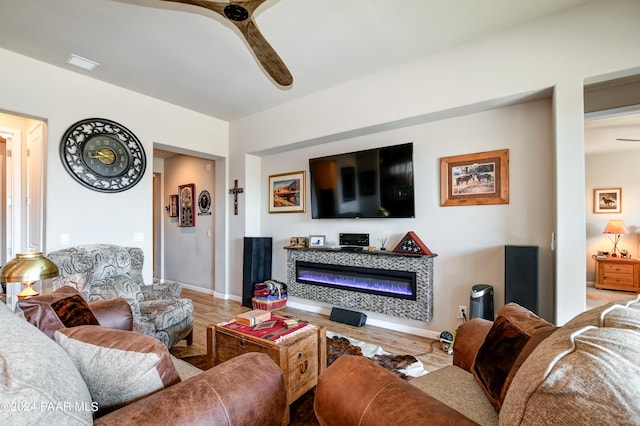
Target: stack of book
(290, 323)
(254, 317)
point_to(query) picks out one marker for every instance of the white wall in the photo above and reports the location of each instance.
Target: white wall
(61, 97)
(469, 240)
(612, 170)
(590, 43)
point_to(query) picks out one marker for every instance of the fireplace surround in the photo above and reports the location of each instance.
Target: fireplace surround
(418, 306)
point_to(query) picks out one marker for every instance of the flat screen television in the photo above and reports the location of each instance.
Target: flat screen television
(374, 183)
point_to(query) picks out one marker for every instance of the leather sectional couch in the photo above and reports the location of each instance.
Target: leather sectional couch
(517, 370)
(75, 369)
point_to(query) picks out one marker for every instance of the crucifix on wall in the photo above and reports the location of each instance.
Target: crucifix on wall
(235, 191)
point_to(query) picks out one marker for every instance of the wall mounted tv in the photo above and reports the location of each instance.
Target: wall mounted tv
(375, 183)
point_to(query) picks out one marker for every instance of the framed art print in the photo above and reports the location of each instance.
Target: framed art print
(173, 205)
(607, 200)
(286, 193)
(187, 204)
(475, 179)
(316, 241)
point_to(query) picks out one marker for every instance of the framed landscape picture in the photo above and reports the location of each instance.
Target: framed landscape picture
(607, 200)
(475, 179)
(286, 193)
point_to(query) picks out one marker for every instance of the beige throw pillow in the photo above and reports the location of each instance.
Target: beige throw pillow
(118, 366)
(588, 376)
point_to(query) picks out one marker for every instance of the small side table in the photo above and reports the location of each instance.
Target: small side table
(614, 273)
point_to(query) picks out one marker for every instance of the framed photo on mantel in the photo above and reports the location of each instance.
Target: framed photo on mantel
(316, 241)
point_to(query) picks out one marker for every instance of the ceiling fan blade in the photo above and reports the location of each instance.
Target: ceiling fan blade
(240, 13)
(265, 54)
(627, 140)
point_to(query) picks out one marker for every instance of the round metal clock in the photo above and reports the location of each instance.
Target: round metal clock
(103, 155)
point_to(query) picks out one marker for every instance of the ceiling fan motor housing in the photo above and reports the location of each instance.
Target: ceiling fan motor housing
(236, 12)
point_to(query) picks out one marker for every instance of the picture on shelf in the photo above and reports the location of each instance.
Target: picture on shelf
(316, 241)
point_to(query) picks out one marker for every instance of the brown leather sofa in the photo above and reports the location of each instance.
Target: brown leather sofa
(57, 374)
(246, 390)
(518, 370)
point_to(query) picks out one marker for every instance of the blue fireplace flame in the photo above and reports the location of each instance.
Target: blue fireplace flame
(384, 282)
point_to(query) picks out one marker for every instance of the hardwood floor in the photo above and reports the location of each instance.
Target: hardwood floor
(208, 310)
(211, 311)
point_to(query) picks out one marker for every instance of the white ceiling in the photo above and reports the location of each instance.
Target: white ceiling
(602, 134)
(194, 58)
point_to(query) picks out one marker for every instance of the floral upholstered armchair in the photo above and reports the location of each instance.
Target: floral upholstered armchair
(105, 271)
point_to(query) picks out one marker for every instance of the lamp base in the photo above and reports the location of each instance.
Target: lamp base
(27, 292)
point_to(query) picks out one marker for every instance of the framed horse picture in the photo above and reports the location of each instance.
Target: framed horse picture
(607, 200)
(475, 179)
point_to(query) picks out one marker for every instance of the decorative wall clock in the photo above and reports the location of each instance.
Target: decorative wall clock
(103, 155)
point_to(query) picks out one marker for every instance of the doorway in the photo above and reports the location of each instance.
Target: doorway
(22, 192)
(612, 153)
(187, 254)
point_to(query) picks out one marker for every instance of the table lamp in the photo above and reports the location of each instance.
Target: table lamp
(616, 228)
(28, 268)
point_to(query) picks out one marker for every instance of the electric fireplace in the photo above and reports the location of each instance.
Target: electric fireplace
(394, 284)
(384, 282)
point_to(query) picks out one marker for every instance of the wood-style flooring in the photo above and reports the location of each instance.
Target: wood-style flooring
(208, 310)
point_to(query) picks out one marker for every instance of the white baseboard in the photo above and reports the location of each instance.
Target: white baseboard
(193, 287)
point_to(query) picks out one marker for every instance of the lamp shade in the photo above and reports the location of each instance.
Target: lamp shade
(28, 267)
(615, 227)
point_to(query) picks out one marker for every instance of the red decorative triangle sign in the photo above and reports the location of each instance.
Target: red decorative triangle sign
(411, 244)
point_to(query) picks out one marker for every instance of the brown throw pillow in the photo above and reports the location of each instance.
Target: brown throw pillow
(514, 335)
(64, 307)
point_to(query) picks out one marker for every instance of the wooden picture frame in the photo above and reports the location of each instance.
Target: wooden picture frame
(187, 204)
(607, 200)
(316, 241)
(287, 193)
(173, 205)
(475, 179)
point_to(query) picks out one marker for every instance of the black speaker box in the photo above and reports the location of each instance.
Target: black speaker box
(346, 316)
(521, 276)
(256, 266)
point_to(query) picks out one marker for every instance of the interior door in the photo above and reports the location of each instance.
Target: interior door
(13, 193)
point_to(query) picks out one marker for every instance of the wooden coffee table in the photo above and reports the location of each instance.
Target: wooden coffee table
(302, 356)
